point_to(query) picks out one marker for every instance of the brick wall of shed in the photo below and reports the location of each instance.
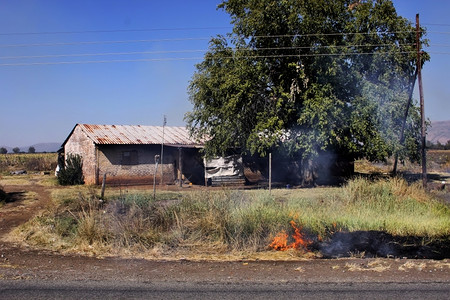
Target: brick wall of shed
(142, 171)
(79, 143)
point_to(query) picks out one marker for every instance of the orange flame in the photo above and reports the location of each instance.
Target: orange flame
(280, 242)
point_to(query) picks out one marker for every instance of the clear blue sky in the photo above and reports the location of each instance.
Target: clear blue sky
(42, 102)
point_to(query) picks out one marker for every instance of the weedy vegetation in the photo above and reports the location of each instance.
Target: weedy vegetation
(31, 162)
(230, 221)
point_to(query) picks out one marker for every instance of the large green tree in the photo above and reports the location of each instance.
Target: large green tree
(308, 77)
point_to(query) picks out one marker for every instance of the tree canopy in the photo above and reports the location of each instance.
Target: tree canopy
(308, 77)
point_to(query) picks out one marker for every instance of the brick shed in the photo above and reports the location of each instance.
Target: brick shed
(126, 153)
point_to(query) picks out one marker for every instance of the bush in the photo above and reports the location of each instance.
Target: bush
(72, 172)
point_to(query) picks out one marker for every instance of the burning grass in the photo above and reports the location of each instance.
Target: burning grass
(280, 241)
(218, 223)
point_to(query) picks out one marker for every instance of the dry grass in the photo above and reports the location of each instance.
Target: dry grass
(8, 266)
(376, 265)
(366, 167)
(444, 264)
(412, 265)
(15, 180)
(32, 162)
(437, 161)
(227, 224)
(46, 180)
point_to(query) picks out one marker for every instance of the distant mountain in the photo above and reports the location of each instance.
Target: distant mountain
(439, 131)
(46, 147)
(40, 147)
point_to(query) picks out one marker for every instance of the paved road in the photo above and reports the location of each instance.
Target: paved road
(116, 290)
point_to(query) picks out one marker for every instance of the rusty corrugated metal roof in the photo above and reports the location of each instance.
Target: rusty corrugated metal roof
(139, 134)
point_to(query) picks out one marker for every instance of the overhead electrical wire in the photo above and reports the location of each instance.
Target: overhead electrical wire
(434, 24)
(113, 31)
(148, 30)
(315, 48)
(101, 54)
(192, 58)
(195, 38)
(196, 58)
(103, 42)
(198, 50)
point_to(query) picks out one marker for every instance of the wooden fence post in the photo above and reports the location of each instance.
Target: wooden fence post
(103, 187)
(270, 173)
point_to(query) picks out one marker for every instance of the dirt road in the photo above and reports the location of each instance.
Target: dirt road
(21, 207)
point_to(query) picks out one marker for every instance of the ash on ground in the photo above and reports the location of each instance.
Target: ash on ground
(382, 244)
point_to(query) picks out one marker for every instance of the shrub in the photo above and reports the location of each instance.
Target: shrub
(72, 172)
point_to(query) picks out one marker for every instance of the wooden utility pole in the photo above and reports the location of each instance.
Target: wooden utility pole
(270, 173)
(154, 176)
(206, 174)
(162, 151)
(422, 108)
(180, 166)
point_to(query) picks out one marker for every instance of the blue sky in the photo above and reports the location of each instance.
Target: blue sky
(42, 102)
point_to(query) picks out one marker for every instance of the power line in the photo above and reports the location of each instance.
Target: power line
(434, 24)
(198, 38)
(438, 32)
(439, 53)
(163, 29)
(197, 58)
(102, 42)
(102, 61)
(143, 30)
(439, 45)
(112, 31)
(198, 50)
(101, 54)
